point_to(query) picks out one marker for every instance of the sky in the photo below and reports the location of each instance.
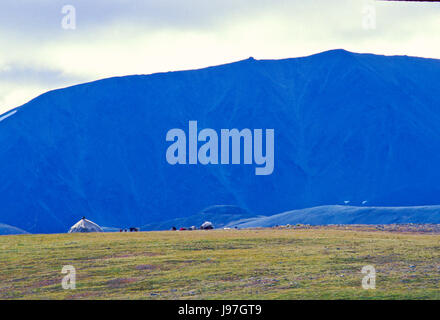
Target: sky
(41, 51)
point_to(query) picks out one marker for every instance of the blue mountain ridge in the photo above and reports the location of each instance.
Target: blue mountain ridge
(338, 214)
(10, 230)
(348, 127)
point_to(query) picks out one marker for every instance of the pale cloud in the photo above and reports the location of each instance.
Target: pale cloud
(13, 95)
(121, 37)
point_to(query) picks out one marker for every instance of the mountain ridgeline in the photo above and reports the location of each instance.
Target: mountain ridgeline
(348, 127)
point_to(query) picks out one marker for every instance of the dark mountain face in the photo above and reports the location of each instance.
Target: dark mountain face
(348, 127)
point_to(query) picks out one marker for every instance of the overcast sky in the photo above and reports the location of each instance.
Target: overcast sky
(121, 37)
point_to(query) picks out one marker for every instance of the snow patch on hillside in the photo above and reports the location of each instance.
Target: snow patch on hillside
(7, 115)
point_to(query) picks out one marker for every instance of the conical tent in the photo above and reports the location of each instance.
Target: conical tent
(85, 225)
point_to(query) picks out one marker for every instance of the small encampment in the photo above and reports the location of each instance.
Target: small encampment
(85, 225)
(207, 226)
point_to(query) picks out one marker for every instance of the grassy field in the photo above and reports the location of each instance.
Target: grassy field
(303, 263)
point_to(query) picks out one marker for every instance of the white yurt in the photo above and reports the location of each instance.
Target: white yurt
(85, 225)
(207, 226)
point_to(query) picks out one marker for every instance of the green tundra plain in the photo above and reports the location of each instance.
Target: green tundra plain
(278, 263)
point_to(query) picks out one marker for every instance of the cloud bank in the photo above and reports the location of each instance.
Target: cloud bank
(120, 37)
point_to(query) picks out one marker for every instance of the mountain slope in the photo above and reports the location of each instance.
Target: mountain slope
(348, 126)
(218, 215)
(337, 214)
(10, 230)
